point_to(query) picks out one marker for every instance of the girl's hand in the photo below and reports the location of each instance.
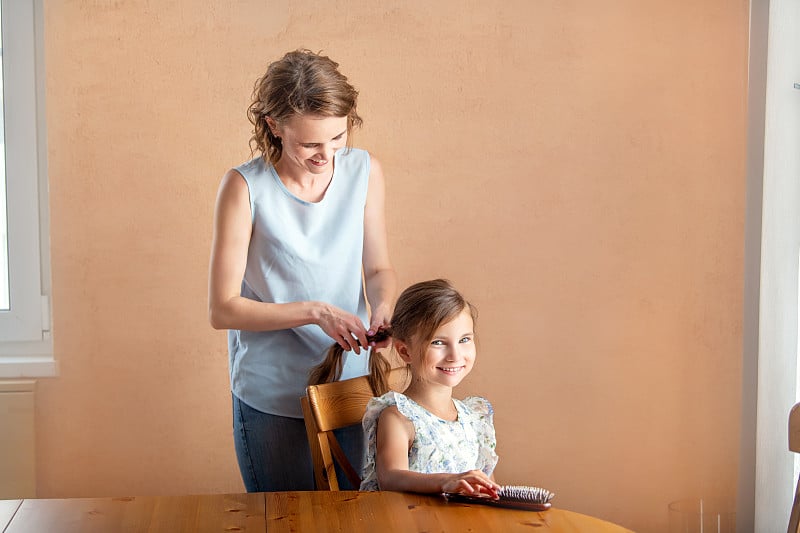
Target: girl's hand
(344, 328)
(472, 483)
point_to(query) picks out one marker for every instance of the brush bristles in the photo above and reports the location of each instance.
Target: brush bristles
(522, 493)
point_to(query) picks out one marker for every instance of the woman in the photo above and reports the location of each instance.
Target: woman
(294, 229)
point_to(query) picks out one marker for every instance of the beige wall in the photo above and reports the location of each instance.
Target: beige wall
(576, 168)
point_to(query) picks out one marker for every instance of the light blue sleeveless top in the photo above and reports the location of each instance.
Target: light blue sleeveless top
(299, 251)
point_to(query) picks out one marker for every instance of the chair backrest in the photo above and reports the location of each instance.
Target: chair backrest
(331, 406)
(794, 445)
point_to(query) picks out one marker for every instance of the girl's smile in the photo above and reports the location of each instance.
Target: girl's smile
(451, 370)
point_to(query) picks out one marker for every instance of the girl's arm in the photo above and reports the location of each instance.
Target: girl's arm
(379, 275)
(395, 433)
(227, 309)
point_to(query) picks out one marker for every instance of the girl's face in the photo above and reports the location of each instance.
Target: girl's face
(448, 357)
(309, 142)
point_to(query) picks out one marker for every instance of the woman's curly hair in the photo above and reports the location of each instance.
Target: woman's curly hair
(300, 83)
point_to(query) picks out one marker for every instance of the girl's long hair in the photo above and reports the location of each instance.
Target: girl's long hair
(330, 369)
(419, 312)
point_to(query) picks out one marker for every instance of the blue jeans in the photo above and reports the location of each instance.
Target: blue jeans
(273, 450)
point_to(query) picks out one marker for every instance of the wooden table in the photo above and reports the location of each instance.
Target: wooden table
(346, 511)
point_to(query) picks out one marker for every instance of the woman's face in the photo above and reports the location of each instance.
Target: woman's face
(309, 142)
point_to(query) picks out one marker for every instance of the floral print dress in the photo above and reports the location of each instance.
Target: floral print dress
(439, 445)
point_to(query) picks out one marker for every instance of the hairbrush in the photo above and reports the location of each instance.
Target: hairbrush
(380, 335)
(511, 496)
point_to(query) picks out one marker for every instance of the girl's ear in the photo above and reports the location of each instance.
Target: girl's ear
(402, 350)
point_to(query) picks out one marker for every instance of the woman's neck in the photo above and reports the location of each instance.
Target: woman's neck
(437, 400)
(305, 185)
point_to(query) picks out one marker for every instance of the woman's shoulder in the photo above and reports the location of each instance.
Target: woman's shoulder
(250, 173)
(354, 153)
(256, 164)
(355, 161)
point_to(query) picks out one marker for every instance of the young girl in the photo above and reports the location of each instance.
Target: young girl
(424, 440)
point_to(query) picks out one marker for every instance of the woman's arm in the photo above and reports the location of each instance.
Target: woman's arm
(379, 275)
(395, 433)
(227, 309)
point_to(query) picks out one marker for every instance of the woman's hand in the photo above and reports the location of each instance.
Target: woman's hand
(381, 316)
(472, 483)
(344, 328)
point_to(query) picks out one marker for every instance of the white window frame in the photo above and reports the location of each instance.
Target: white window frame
(26, 348)
(772, 260)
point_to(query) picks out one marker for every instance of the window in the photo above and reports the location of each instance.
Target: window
(25, 345)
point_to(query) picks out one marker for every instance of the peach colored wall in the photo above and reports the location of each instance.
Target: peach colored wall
(576, 167)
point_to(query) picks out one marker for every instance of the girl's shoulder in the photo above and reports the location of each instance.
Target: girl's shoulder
(390, 398)
(378, 404)
(396, 400)
(393, 404)
(478, 405)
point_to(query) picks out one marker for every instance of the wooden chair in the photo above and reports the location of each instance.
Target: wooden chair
(794, 445)
(336, 405)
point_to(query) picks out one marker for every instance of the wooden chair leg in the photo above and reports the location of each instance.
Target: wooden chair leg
(329, 470)
(344, 462)
(316, 453)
